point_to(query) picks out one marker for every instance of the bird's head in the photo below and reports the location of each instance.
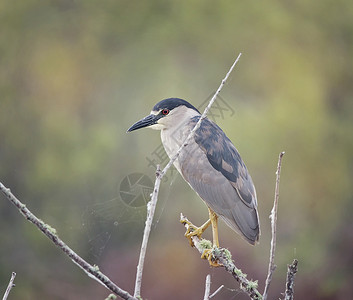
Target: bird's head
(167, 114)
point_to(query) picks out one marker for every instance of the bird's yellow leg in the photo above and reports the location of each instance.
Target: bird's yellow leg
(207, 253)
(195, 231)
(214, 222)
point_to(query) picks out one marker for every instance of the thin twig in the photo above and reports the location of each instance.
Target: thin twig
(111, 297)
(223, 256)
(91, 271)
(207, 295)
(151, 207)
(159, 176)
(10, 286)
(273, 217)
(292, 270)
(207, 287)
(217, 291)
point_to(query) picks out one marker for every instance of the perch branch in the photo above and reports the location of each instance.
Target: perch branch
(159, 175)
(273, 217)
(91, 271)
(223, 256)
(292, 270)
(10, 286)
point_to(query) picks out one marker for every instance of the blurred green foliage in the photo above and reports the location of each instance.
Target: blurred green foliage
(75, 75)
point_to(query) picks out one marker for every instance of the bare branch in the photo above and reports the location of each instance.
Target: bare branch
(273, 217)
(292, 270)
(159, 176)
(207, 287)
(224, 257)
(217, 291)
(151, 207)
(91, 271)
(207, 295)
(10, 286)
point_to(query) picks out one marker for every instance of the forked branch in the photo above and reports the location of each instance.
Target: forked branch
(221, 255)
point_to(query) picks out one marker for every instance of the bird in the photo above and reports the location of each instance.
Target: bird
(211, 165)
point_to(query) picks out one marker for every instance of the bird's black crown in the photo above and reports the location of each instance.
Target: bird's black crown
(172, 103)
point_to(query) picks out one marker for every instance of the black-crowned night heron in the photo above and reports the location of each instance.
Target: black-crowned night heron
(211, 165)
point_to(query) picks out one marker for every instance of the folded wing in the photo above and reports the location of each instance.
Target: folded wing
(217, 173)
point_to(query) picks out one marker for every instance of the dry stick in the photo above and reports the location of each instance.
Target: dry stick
(217, 291)
(91, 271)
(151, 207)
(159, 175)
(223, 256)
(10, 286)
(207, 295)
(292, 270)
(207, 287)
(273, 217)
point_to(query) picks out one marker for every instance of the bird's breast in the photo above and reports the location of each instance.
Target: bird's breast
(172, 139)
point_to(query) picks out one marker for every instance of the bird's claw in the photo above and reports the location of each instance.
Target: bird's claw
(207, 254)
(191, 231)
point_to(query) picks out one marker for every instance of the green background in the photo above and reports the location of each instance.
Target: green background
(74, 75)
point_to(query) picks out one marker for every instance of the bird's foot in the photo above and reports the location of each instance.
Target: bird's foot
(193, 230)
(207, 254)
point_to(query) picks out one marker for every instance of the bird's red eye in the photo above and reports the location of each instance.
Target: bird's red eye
(165, 111)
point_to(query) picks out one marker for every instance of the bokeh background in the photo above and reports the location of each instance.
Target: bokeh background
(74, 75)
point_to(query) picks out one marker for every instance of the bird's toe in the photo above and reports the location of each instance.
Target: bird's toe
(208, 254)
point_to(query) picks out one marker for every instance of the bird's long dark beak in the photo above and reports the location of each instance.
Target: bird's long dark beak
(145, 122)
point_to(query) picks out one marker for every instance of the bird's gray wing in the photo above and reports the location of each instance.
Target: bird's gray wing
(217, 173)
